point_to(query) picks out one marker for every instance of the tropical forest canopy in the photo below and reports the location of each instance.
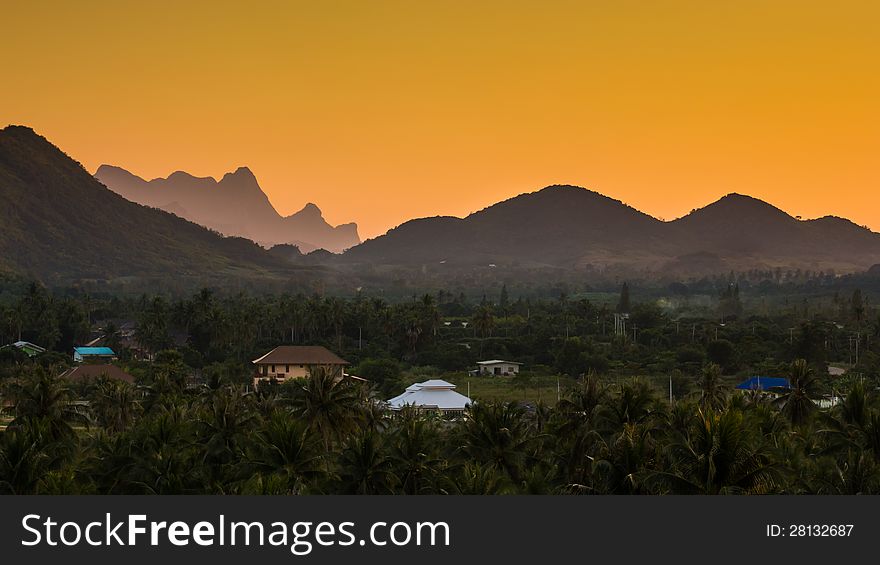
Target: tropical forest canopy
(649, 407)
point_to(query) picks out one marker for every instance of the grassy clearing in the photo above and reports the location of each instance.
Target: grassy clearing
(544, 388)
(507, 389)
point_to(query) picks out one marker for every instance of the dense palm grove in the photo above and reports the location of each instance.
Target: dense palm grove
(194, 424)
(323, 436)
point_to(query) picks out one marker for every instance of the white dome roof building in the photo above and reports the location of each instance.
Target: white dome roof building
(431, 395)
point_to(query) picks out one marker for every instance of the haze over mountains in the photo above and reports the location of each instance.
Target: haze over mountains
(571, 227)
(59, 223)
(236, 205)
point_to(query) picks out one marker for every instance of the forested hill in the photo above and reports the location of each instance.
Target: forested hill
(573, 228)
(57, 223)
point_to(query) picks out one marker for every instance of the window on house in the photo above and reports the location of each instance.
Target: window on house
(273, 368)
(287, 368)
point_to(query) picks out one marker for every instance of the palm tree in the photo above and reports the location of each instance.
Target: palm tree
(855, 409)
(164, 455)
(331, 404)
(314, 316)
(718, 455)
(498, 435)
(711, 388)
(109, 462)
(37, 396)
(224, 423)
(366, 467)
(633, 403)
(855, 473)
(413, 331)
(24, 460)
(113, 404)
(287, 455)
(415, 442)
(621, 465)
(854, 425)
(15, 320)
(797, 403)
(152, 328)
(477, 479)
(580, 404)
(483, 322)
(573, 427)
(336, 317)
(430, 315)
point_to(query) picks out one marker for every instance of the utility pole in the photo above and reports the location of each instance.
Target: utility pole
(858, 340)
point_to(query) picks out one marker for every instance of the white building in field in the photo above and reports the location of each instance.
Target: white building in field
(498, 367)
(431, 395)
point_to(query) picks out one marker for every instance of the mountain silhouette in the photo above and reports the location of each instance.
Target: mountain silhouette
(234, 205)
(746, 231)
(571, 227)
(57, 223)
(559, 225)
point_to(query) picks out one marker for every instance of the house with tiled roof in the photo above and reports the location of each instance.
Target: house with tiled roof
(297, 361)
(91, 372)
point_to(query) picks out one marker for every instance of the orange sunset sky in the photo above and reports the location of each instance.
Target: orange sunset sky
(384, 111)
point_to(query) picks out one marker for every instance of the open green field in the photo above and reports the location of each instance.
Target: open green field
(544, 388)
(507, 389)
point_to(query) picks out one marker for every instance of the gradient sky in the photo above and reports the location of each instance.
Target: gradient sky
(384, 111)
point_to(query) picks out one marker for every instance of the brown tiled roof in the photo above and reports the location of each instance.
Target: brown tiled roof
(85, 372)
(301, 355)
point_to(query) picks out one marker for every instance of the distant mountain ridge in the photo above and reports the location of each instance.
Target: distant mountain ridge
(58, 224)
(234, 205)
(571, 227)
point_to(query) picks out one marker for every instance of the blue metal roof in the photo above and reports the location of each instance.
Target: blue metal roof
(93, 351)
(764, 383)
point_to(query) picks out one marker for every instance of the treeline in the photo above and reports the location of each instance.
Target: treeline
(446, 332)
(319, 435)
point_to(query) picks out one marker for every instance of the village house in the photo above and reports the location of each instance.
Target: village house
(764, 384)
(26, 347)
(92, 354)
(92, 372)
(434, 394)
(297, 361)
(497, 367)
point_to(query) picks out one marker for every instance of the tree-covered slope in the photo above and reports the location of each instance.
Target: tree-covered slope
(58, 223)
